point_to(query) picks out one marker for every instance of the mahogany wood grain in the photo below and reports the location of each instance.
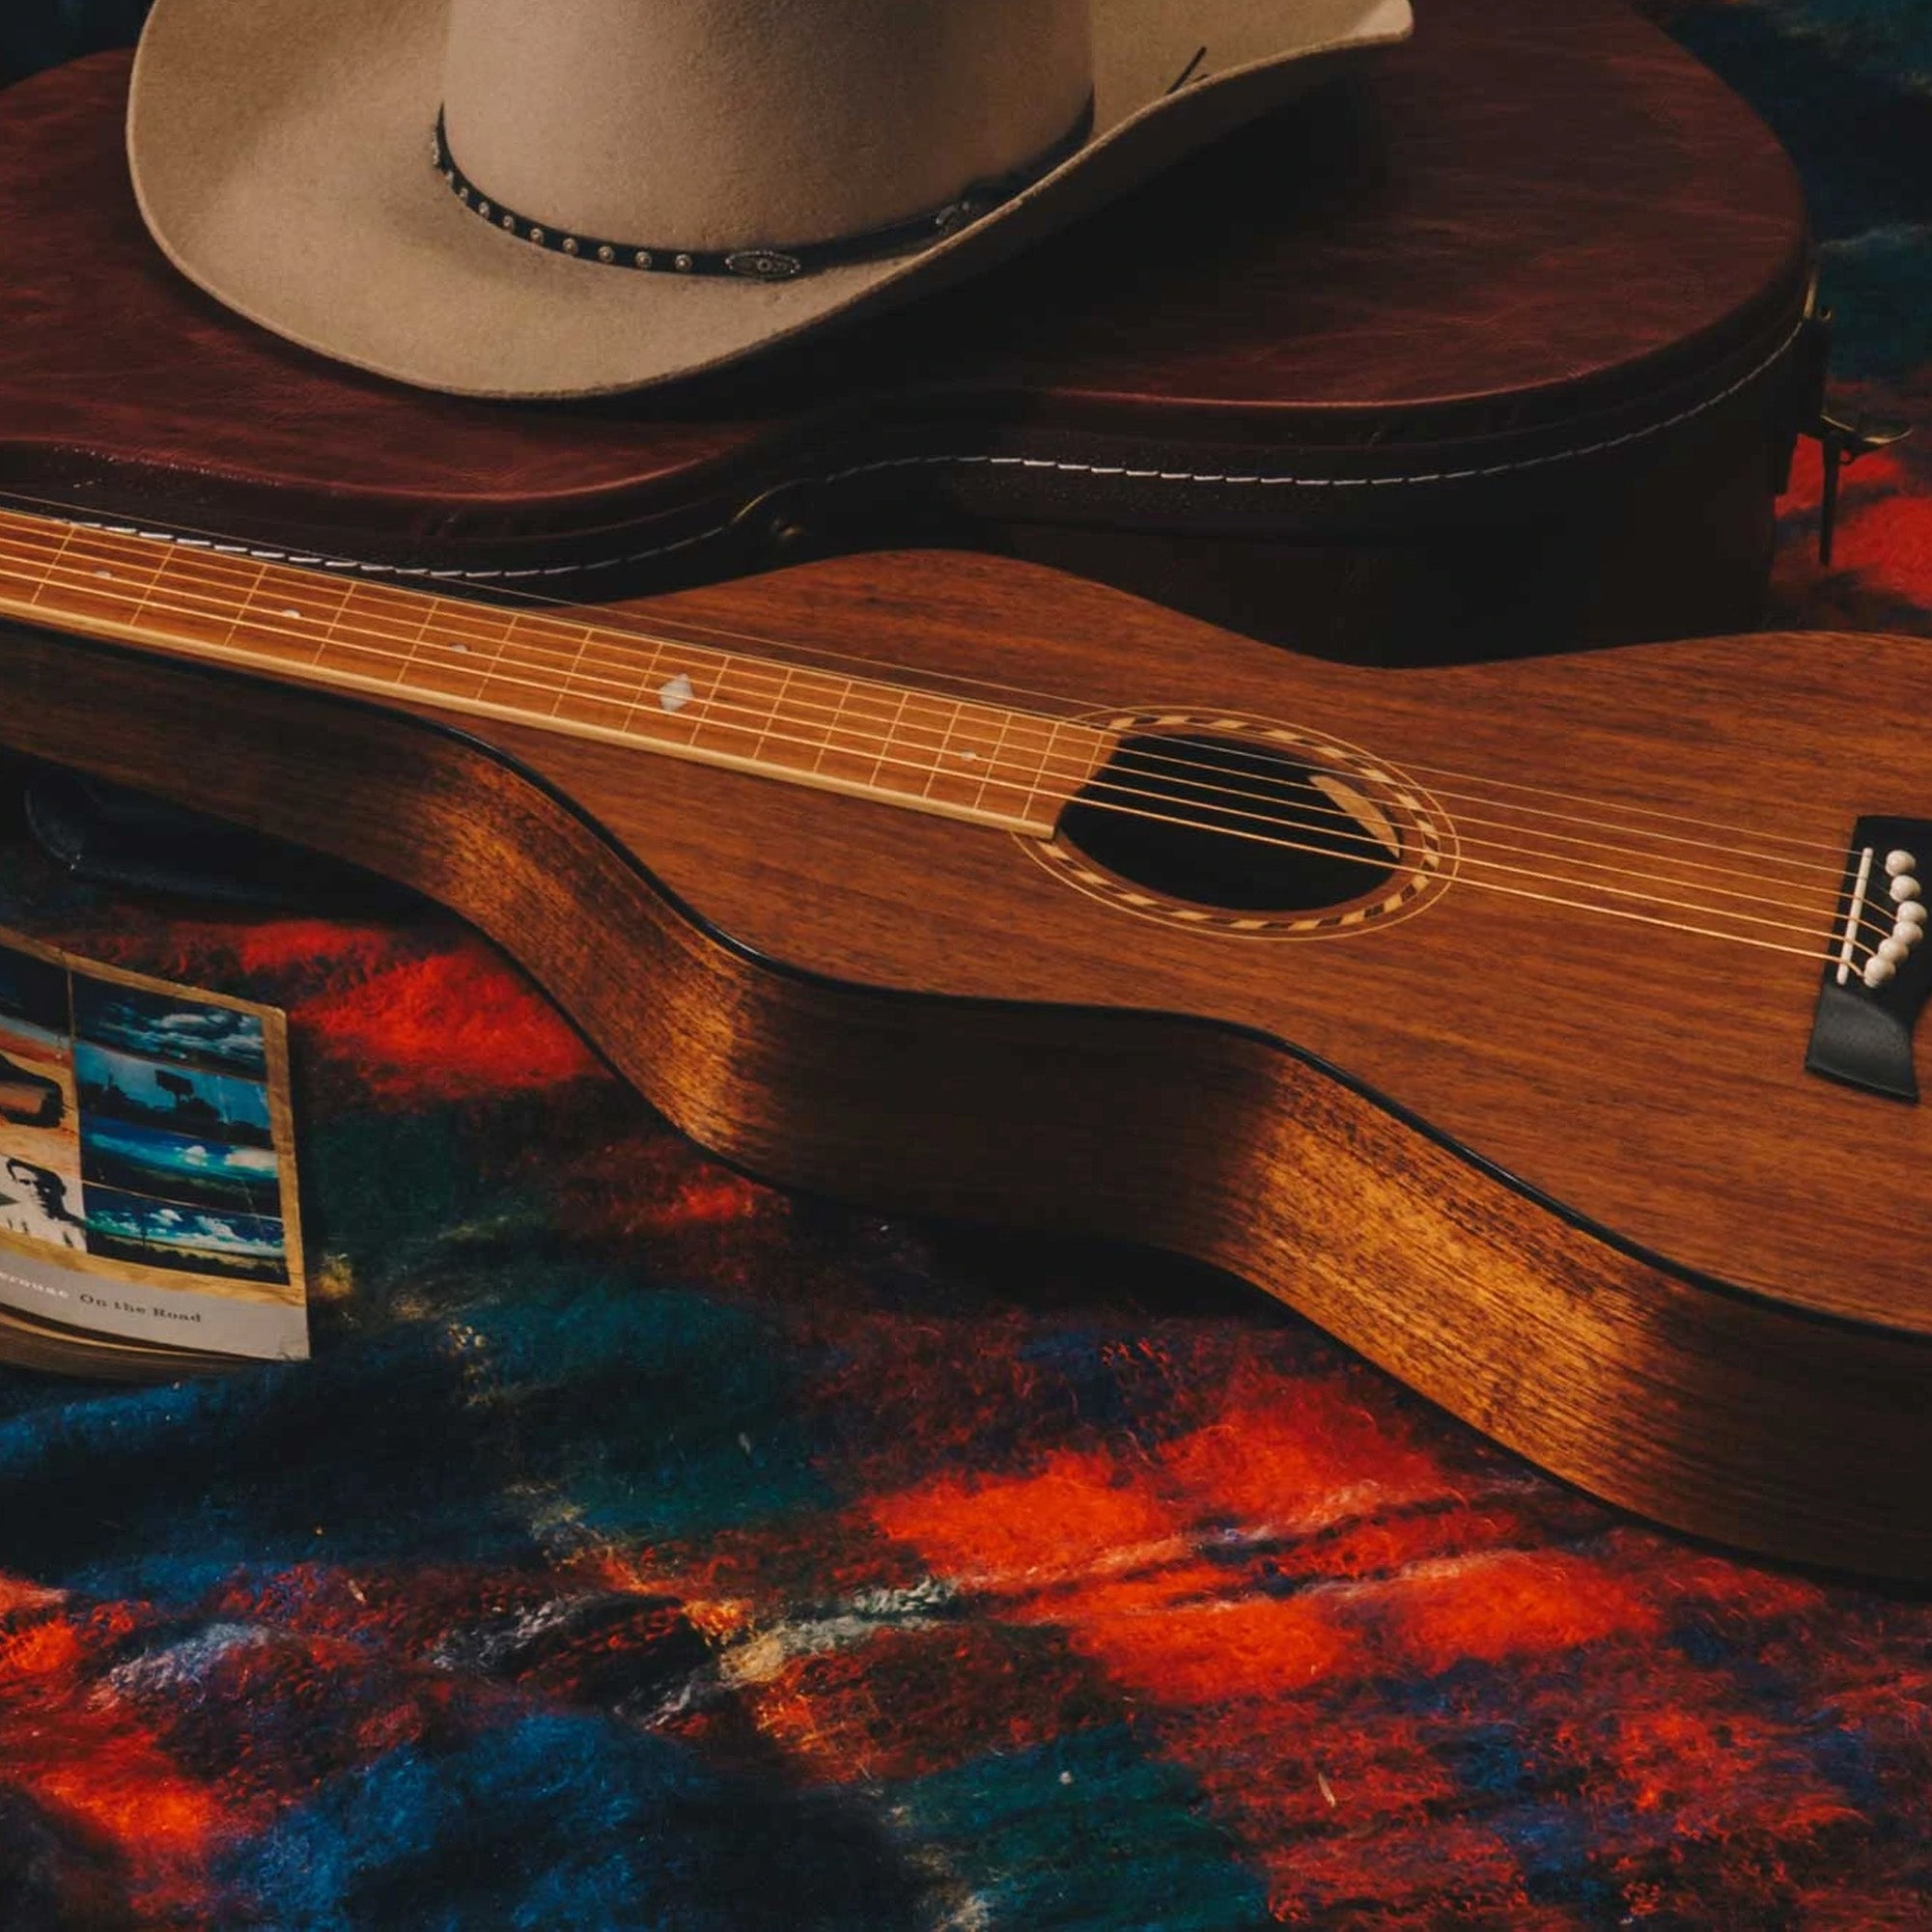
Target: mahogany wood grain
(1563, 1173)
(1503, 320)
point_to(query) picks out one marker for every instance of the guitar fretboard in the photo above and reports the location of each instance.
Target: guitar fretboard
(565, 671)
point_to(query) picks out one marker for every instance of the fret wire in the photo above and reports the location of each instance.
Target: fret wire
(831, 730)
(575, 662)
(993, 763)
(777, 706)
(940, 756)
(1052, 741)
(557, 696)
(147, 591)
(291, 584)
(66, 540)
(891, 732)
(644, 684)
(241, 608)
(416, 642)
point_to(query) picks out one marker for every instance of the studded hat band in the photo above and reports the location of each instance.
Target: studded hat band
(764, 263)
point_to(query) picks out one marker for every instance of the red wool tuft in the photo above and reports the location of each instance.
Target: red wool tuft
(447, 1028)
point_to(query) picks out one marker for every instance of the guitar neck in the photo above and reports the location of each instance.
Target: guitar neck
(565, 671)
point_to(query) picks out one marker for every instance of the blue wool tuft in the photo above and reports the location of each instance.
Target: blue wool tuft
(572, 1821)
(1082, 1834)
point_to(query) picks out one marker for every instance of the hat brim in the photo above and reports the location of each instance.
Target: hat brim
(280, 154)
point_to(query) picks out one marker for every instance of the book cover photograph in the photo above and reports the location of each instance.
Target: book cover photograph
(148, 1197)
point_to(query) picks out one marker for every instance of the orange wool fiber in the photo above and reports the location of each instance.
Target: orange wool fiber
(448, 1027)
(126, 1788)
(1074, 1514)
(40, 1652)
(1298, 1453)
(1437, 1873)
(1216, 1652)
(1496, 1606)
(1378, 1546)
(284, 945)
(21, 1593)
(1706, 1772)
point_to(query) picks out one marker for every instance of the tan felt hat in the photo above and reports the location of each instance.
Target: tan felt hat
(572, 197)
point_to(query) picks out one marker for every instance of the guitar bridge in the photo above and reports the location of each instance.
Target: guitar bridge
(1879, 974)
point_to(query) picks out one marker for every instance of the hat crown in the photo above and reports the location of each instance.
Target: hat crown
(732, 123)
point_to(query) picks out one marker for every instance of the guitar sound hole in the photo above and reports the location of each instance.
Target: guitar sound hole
(1237, 826)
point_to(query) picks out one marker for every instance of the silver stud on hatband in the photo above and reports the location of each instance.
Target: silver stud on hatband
(684, 262)
(606, 253)
(643, 258)
(569, 244)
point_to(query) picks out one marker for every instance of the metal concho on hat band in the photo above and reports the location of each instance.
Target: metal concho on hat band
(762, 263)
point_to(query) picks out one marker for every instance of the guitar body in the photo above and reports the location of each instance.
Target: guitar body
(1493, 344)
(1561, 1169)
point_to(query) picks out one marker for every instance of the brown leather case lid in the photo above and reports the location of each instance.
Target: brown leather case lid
(1530, 230)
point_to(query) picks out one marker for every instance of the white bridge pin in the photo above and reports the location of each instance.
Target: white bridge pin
(1904, 886)
(1877, 971)
(1912, 912)
(1899, 862)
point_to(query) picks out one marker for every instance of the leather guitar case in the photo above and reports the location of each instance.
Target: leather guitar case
(1497, 344)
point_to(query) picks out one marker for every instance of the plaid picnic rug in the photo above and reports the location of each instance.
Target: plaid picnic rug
(646, 1549)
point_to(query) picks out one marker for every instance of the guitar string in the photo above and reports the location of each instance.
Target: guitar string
(189, 540)
(1274, 817)
(1810, 952)
(1169, 761)
(1408, 764)
(1120, 791)
(630, 695)
(1115, 788)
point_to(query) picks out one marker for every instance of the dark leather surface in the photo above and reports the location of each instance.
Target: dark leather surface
(1530, 222)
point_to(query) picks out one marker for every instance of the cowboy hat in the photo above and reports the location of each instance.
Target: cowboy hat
(553, 198)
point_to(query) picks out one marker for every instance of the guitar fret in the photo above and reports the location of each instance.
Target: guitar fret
(775, 715)
(67, 541)
(279, 618)
(646, 678)
(459, 659)
(242, 604)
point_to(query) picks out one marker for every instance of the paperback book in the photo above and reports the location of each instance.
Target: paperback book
(150, 1218)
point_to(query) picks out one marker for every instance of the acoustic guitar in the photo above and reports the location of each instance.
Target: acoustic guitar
(1542, 1029)
(1497, 344)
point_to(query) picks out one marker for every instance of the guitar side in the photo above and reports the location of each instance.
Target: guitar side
(629, 887)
